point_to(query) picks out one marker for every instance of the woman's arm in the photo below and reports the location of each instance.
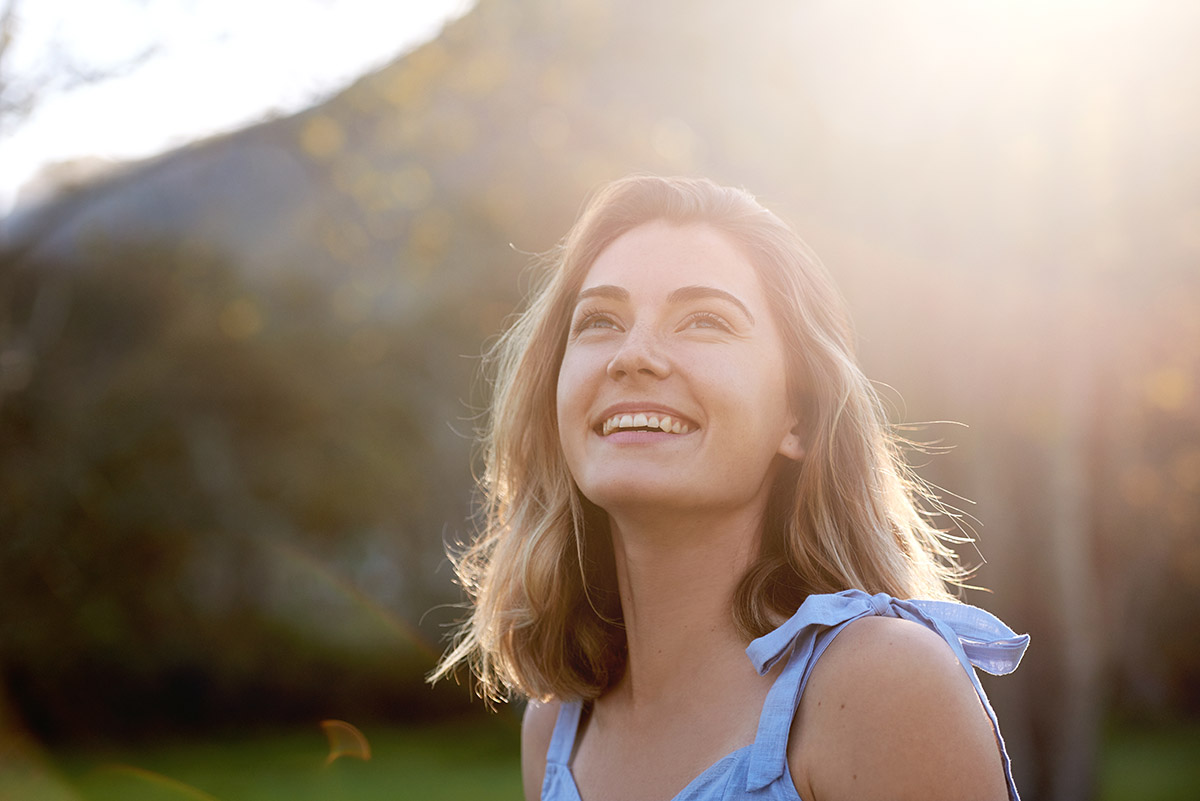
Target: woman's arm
(889, 713)
(536, 729)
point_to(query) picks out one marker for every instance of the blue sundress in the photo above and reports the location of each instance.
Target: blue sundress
(759, 770)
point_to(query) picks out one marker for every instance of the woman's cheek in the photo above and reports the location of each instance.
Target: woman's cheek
(572, 394)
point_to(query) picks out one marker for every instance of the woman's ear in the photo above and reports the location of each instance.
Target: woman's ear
(792, 445)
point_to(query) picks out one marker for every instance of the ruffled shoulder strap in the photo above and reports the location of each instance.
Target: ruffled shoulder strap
(562, 741)
(977, 638)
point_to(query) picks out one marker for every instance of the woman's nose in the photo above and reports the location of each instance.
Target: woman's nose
(640, 354)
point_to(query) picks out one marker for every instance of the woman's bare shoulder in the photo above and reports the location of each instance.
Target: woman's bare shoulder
(889, 712)
(537, 728)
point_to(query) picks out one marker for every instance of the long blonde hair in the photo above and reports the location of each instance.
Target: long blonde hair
(544, 619)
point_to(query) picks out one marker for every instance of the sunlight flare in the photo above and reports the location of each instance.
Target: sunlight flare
(345, 740)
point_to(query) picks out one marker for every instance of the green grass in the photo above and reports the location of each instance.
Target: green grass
(477, 760)
(1159, 764)
(446, 761)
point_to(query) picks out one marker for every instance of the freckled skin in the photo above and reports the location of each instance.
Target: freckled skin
(704, 357)
(907, 722)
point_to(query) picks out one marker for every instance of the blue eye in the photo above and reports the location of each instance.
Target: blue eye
(706, 320)
(591, 320)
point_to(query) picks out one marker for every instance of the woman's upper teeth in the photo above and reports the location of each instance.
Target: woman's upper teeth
(654, 422)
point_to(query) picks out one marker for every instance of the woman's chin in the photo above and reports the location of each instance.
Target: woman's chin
(627, 496)
(621, 493)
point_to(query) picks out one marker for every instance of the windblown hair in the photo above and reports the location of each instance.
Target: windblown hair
(545, 620)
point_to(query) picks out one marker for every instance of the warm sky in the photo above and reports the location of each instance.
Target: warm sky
(214, 65)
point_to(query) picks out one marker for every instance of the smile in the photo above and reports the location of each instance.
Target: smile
(643, 422)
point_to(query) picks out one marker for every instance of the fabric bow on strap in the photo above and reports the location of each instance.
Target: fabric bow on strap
(983, 640)
(977, 638)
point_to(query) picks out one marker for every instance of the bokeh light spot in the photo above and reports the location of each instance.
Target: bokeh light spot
(240, 319)
(402, 89)
(1168, 388)
(483, 73)
(504, 203)
(411, 186)
(430, 234)
(322, 138)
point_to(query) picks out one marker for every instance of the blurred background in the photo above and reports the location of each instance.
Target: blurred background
(239, 378)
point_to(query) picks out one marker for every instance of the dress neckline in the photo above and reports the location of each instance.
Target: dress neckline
(682, 795)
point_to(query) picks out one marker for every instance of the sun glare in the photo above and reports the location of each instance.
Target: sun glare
(185, 70)
(930, 67)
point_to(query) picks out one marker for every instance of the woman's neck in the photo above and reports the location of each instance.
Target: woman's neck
(677, 576)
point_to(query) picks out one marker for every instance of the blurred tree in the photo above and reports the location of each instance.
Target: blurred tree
(179, 423)
(54, 70)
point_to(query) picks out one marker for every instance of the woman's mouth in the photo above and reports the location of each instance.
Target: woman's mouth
(643, 422)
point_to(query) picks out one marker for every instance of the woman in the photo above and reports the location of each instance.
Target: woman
(685, 468)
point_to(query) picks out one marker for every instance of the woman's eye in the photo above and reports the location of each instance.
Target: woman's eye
(593, 320)
(706, 320)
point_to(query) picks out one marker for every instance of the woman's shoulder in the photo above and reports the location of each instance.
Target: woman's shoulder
(889, 711)
(537, 729)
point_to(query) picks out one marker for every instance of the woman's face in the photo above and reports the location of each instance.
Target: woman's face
(673, 389)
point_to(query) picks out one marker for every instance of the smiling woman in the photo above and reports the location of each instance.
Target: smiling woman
(660, 331)
(703, 557)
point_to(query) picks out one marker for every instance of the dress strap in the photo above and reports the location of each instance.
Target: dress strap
(562, 741)
(977, 638)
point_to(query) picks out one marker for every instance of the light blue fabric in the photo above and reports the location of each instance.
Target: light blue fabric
(759, 770)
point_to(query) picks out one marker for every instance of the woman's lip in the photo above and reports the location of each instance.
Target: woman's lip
(640, 436)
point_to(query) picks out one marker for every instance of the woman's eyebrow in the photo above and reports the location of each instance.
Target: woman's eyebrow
(603, 291)
(681, 295)
(686, 293)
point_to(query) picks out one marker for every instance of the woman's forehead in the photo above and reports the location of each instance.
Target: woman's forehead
(660, 257)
